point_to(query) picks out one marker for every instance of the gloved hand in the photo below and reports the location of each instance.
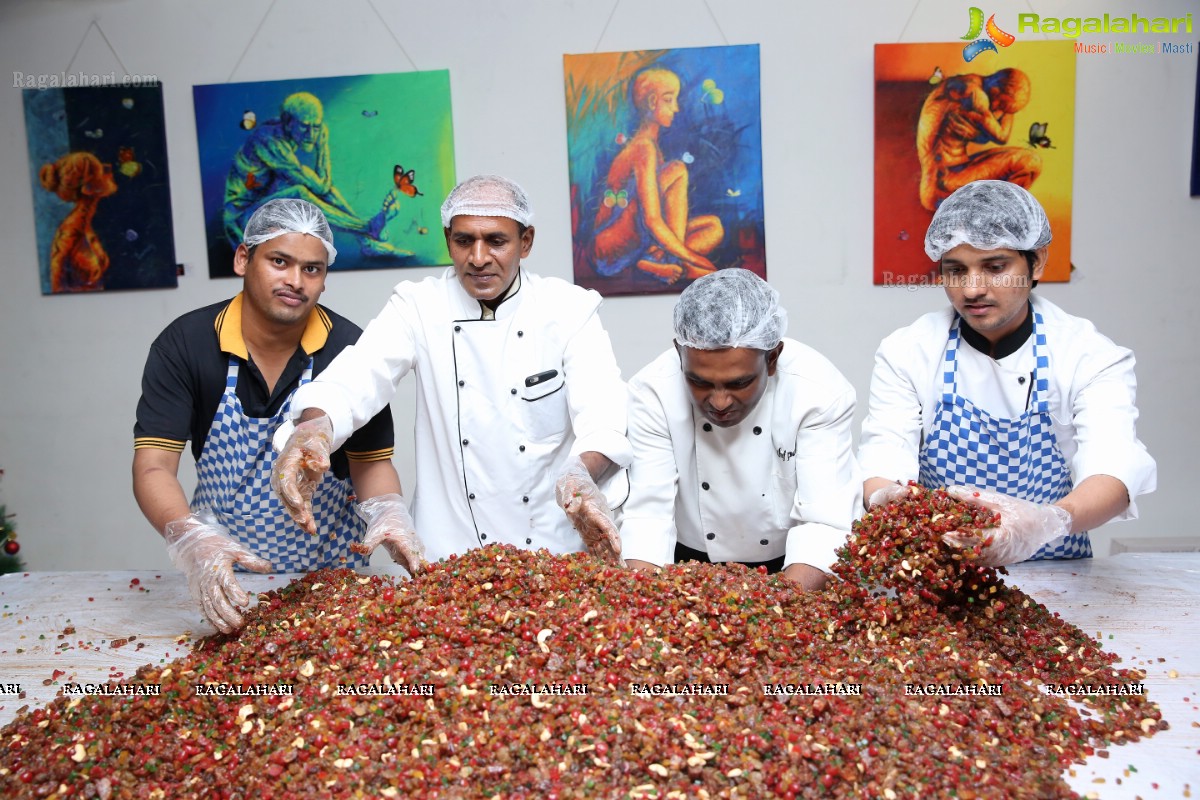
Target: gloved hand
(1024, 526)
(588, 511)
(389, 524)
(300, 466)
(890, 493)
(203, 550)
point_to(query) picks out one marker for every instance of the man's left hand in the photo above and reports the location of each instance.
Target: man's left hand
(1024, 526)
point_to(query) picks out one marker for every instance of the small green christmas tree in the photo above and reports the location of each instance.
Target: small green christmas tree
(9, 561)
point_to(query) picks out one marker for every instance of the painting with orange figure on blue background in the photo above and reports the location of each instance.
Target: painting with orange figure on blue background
(101, 193)
(665, 159)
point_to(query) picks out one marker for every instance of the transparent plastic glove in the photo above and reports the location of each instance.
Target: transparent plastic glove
(588, 511)
(299, 468)
(1024, 526)
(204, 551)
(889, 494)
(389, 524)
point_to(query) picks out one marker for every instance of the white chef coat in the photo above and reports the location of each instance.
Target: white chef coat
(783, 481)
(1091, 397)
(489, 442)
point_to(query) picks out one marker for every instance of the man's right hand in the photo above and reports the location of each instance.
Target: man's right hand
(204, 551)
(587, 508)
(300, 466)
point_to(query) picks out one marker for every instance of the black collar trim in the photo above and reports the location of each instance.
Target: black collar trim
(1007, 345)
(509, 293)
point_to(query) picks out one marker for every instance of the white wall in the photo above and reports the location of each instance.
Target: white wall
(70, 369)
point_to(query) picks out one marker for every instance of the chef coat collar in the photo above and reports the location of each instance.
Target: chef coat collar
(466, 308)
(488, 308)
(1007, 345)
(229, 330)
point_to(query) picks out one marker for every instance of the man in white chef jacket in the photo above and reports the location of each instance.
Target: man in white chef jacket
(1020, 406)
(742, 441)
(519, 397)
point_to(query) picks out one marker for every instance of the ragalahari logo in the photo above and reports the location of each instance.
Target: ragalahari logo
(995, 36)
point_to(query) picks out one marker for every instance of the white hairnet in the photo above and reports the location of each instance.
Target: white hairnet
(487, 196)
(288, 215)
(989, 215)
(729, 308)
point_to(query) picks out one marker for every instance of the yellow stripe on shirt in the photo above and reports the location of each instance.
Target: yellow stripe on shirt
(371, 455)
(156, 443)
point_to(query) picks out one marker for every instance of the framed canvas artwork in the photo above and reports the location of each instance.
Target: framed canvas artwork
(101, 190)
(665, 150)
(374, 152)
(941, 123)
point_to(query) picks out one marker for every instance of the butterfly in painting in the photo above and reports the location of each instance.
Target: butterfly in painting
(1037, 135)
(405, 181)
(126, 164)
(619, 199)
(712, 94)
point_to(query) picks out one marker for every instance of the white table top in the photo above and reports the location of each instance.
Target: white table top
(1144, 607)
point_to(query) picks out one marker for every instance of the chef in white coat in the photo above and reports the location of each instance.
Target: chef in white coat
(1020, 406)
(742, 441)
(520, 406)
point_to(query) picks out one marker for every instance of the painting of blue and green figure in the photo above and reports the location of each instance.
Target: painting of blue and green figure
(665, 158)
(374, 152)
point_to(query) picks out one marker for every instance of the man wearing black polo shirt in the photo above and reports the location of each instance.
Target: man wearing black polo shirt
(223, 377)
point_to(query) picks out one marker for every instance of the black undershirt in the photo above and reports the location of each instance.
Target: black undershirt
(685, 553)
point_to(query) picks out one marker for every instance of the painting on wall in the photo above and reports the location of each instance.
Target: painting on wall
(941, 122)
(375, 152)
(101, 194)
(665, 161)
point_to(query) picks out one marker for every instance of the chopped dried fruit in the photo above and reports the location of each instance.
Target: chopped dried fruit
(818, 698)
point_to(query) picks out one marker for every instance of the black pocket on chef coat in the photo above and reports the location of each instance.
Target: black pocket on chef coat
(544, 408)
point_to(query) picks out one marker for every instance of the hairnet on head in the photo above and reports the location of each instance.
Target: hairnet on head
(288, 215)
(729, 308)
(989, 215)
(487, 196)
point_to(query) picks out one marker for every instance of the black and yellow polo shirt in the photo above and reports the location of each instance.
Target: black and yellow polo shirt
(184, 379)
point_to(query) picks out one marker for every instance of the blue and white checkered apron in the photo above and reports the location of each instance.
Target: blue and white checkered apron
(1017, 457)
(234, 480)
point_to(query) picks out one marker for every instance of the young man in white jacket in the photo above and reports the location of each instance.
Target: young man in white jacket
(1004, 397)
(521, 410)
(742, 444)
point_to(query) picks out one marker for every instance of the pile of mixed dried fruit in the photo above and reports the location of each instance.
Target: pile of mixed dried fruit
(701, 681)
